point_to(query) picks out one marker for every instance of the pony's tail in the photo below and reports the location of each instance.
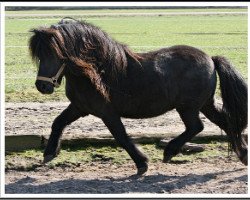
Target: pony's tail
(235, 108)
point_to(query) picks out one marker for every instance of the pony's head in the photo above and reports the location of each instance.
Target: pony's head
(46, 50)
(79, 47)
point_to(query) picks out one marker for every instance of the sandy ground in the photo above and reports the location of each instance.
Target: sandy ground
(219, 175)
(37, 118)
(211, 176)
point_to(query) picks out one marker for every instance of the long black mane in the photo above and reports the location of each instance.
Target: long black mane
(83, 45)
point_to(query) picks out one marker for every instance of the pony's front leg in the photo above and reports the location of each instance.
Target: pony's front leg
(115, 126)
(69, 115)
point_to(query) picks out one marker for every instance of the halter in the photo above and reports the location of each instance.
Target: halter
(53, 79)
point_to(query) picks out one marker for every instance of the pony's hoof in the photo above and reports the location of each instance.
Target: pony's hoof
(48, 158)
(167, 159)
(142, 170)
(245, 160)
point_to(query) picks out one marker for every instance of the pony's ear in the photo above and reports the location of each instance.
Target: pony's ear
(34, 30)
(42, 31)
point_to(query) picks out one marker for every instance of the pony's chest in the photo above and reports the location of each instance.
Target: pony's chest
(78, 100)
(84, 96)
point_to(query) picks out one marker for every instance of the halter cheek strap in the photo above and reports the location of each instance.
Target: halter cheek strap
(53, 79)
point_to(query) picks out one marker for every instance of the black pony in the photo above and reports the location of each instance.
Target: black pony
(106, 79)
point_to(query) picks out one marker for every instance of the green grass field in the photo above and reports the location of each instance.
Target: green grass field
(97, 11)
(215, 34)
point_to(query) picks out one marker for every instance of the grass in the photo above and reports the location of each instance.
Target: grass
(74, 156)
(217, 35)
(97, 11)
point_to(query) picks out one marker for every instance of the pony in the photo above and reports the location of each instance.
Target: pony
(106, 79)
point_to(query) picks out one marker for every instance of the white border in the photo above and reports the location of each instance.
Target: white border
(2, 101)
(248, 73)
(53, 4)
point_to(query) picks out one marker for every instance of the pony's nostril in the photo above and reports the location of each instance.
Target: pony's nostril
(38, 84)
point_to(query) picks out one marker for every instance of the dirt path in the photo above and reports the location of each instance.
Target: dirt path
(37, 118)
(218, 175)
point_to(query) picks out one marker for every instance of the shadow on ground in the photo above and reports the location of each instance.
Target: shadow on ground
(158, 183)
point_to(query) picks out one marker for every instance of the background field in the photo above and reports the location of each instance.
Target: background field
(223, 34)
(117, 11)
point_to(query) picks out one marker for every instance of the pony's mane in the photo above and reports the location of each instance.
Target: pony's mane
(83, 45)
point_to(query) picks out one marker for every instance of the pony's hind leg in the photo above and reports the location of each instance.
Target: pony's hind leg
(216, 115)
(52, 149)
(193, 126)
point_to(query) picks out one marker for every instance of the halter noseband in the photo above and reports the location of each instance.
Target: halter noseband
(53, 79)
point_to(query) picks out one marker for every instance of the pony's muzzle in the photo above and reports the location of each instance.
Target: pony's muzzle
(44, 87)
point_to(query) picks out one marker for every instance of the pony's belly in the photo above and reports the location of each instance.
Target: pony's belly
(145, 110)
(141, 115)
